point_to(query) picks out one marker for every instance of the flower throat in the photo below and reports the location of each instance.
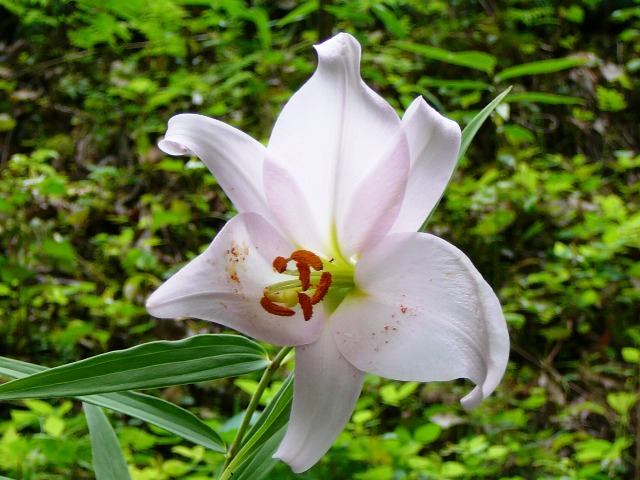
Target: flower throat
(310, 286)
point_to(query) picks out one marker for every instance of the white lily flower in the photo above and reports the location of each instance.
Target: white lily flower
(325, 255)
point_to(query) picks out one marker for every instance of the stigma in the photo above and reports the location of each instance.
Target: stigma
(310, 287)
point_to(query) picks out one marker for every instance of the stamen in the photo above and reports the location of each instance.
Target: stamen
(280, 264)
(279, 298)
(305, 275)
(305, 304)
(322, 288)
(276, 309)
(308, 258)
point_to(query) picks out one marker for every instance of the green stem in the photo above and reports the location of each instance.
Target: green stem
(253, 403)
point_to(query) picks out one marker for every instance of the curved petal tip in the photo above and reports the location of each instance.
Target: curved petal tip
(336, 47)
(473, 399)
(173, 148)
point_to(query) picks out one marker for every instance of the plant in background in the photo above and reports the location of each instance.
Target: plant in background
(325, 255)
(93, 217)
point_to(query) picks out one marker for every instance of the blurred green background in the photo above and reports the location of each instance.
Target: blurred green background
(93, 216)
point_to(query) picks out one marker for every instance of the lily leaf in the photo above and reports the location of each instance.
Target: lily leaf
(468, 133)
(472, 59)
(474, 125)
(150, 409)
(163, 414)
(254, 460)
(540, 67)
(541, 97)
(455, 84)
(108, 461)
(151, 365)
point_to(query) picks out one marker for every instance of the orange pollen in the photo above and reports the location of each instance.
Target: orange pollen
(276, 309)
(308, 258)
(322, 288)
(280, 264)
(305, 304)
(305, 275)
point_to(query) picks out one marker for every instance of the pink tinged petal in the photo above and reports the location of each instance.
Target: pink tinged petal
(434, 143)
(326, 388)
(234, 158)
(345, 150)
(225, 284)
(424, 313)
(293, 212)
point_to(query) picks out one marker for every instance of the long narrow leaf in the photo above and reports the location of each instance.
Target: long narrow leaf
(17, 368)
(390, 21)
(474, 125)
(275, 415)
(259, 462)
(152, 365)
(455, 84)
(260, 19)
(150, 409)
(471, 59)
(163, 414)
(254, 460)
(467, 135)
(108, 461)
(540, 67)
(542, 97)
(299, 13)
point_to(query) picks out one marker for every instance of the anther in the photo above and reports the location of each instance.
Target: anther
(322, 288)
(307, 257)
(304, 275)
(305, 305)
(278, 302)
(280, 264)
(276, 309)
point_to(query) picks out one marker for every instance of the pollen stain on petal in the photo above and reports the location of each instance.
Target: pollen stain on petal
(235, 256)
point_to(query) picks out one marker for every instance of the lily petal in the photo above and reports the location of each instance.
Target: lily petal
(424, 313)
(234, 158)
(293, 211)
(434, 143)
(325, 391)
(225, 284)
(346, 151)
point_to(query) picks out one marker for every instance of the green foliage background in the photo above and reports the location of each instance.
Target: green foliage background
(93, 216)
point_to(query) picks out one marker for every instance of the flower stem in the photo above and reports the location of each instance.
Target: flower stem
(253, 403)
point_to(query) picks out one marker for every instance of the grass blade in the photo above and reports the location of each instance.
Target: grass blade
(108, 460)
